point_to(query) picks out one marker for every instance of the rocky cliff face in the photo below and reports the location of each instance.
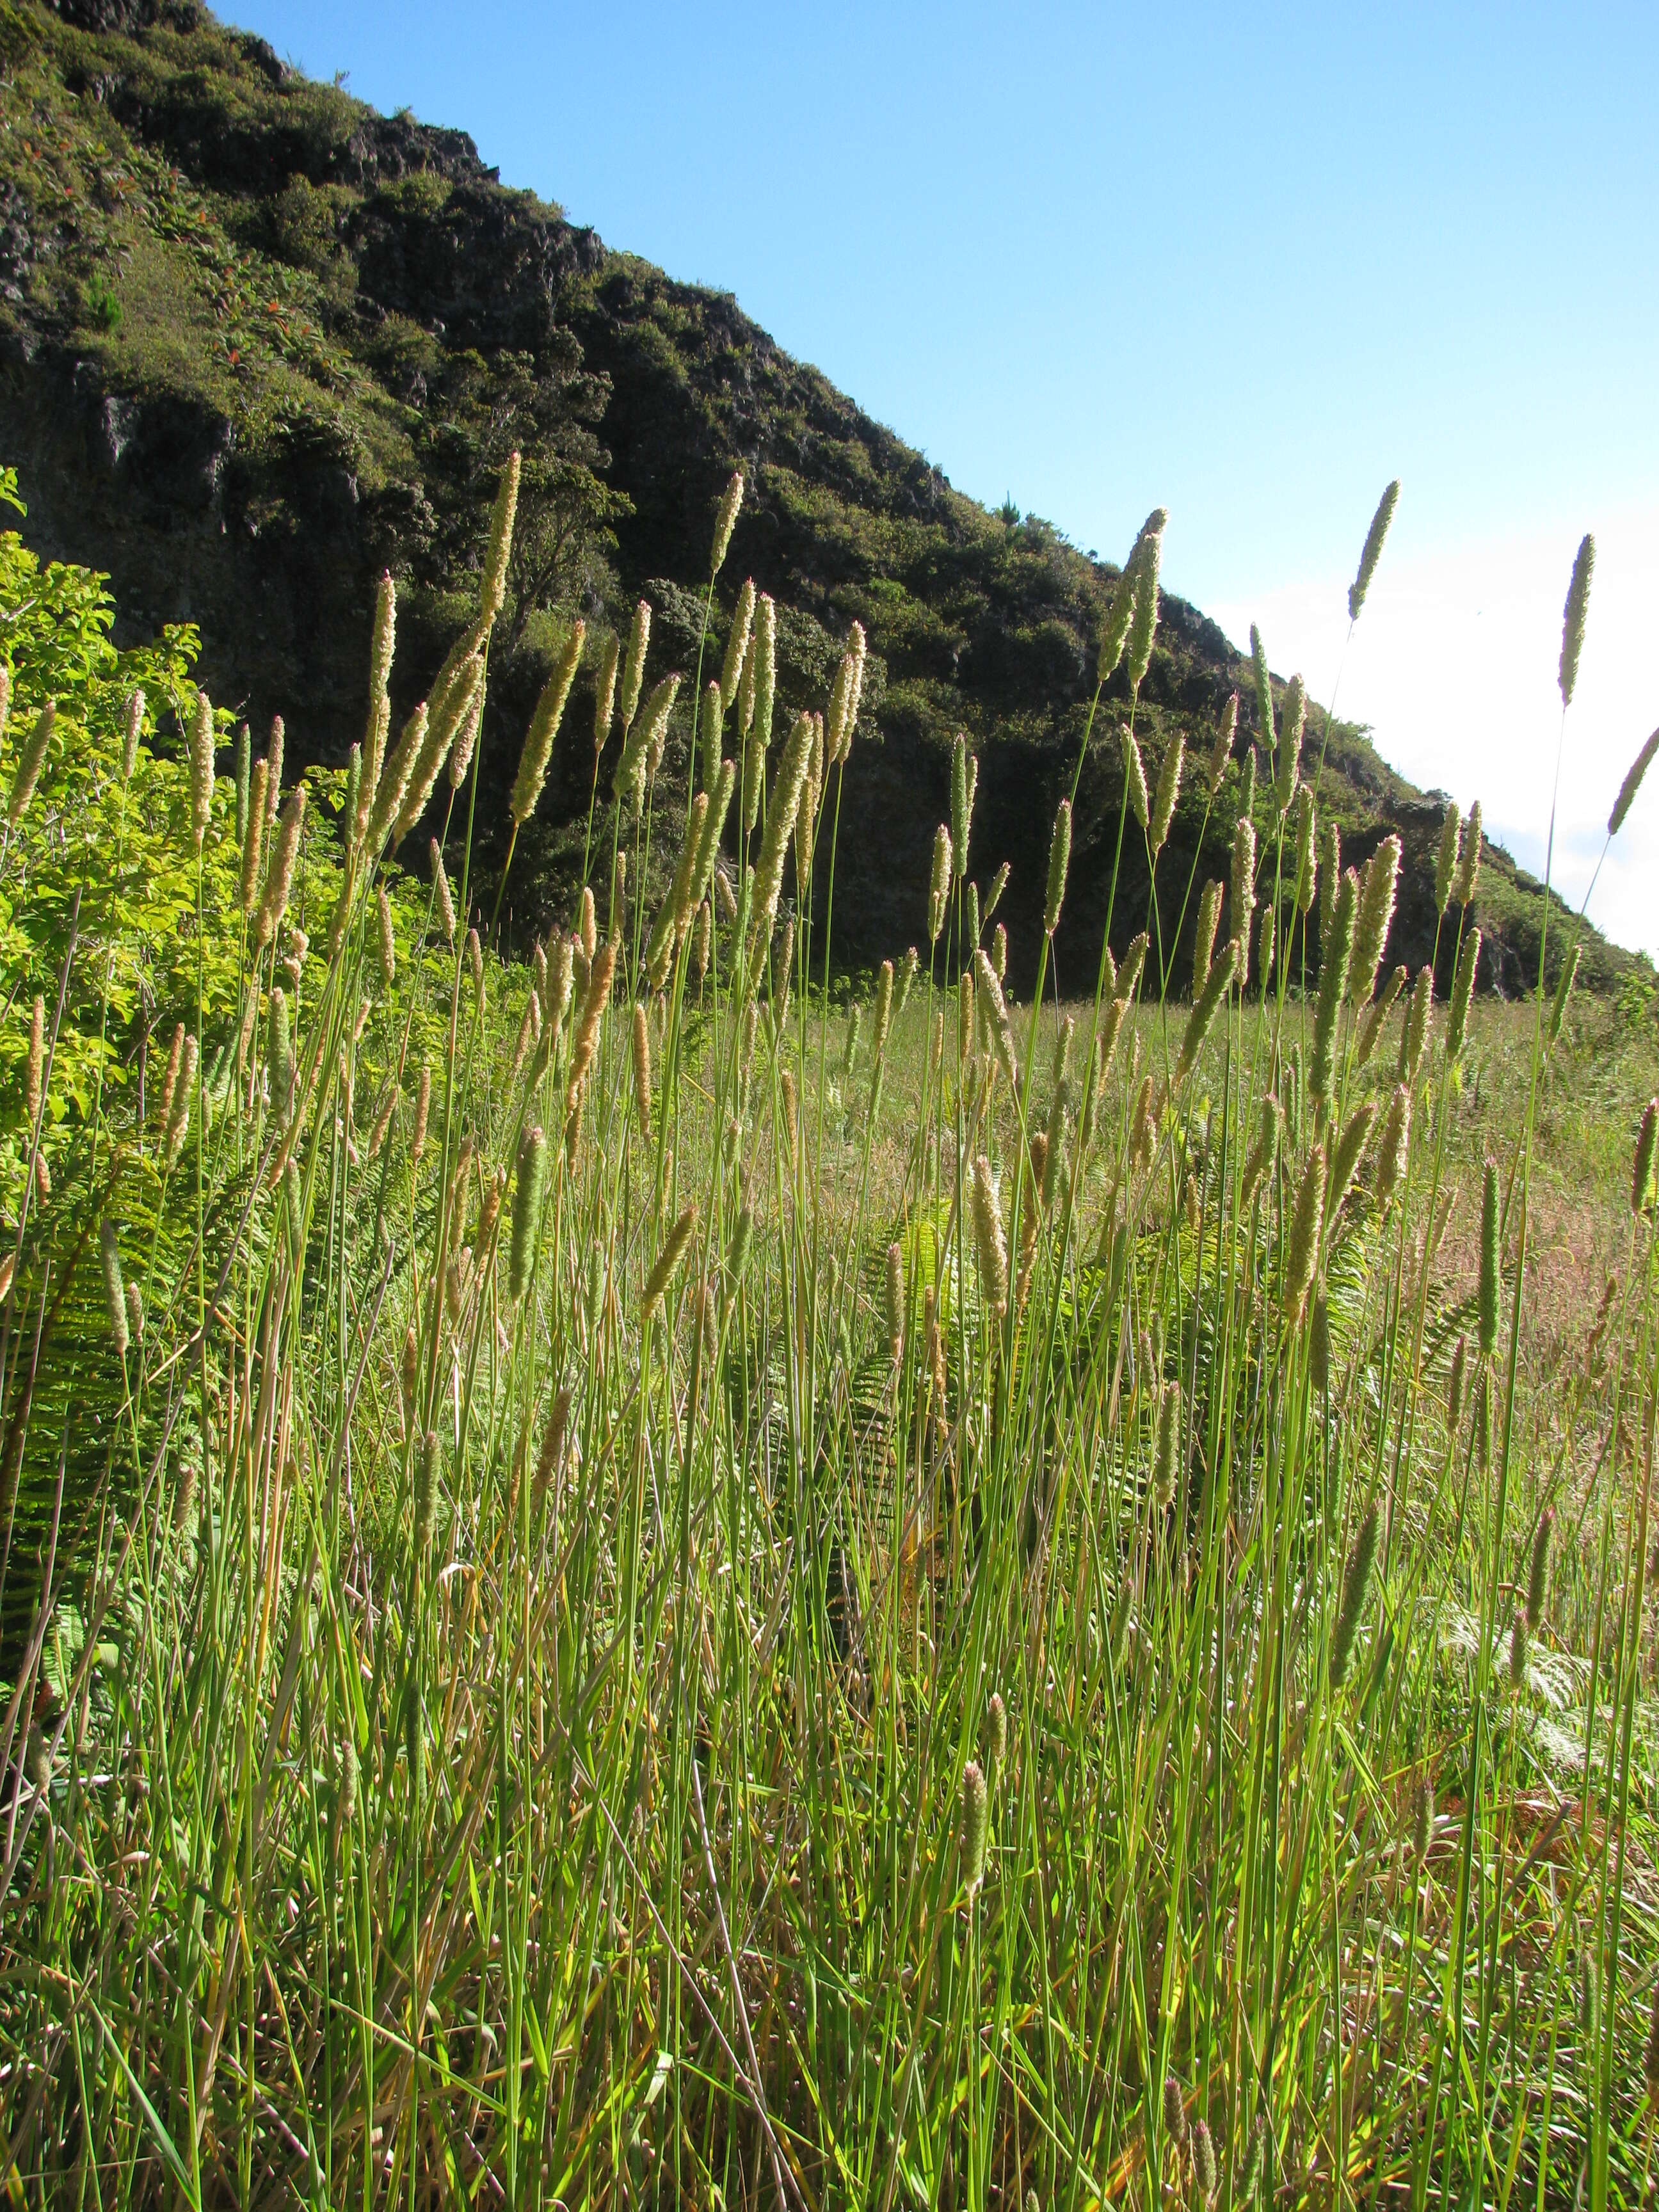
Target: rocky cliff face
(258, 342)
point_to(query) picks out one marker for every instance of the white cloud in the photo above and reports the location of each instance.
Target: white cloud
(1453, 664)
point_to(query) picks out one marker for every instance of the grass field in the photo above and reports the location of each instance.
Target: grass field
(627, 1589)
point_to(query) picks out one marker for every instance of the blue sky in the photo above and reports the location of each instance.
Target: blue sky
(1245, 263)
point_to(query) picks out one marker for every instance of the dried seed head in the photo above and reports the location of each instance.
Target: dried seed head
(475, 963)
(1242, 905)
(388, 942)
(763, 659)
(1486, 1293)
(109, 1251)
(172, 1141)
(668, 1260)
(940, 884)
(642, 1071)
(845, 698)
(1463, 993)
(1060, 857)
(974, 1823)
(639, 638)
(253, 835)
(1641, 1176)
(994, 1017)
(134, 1312)
(544, 727)
(243, 774)
(201, 770)
(1307, 867)
(987, 1235)
(1422, 1821)
(1209, 916)
(37, 1061)
(726, 521)
(383, 636)
(737, 646)
(1303, 1256)
(526, 1211)
(702, 939)
(999, 952)
(279, 876)
(1319, 1344)
(1572, 617)
(132, 729)
(598, 997)
(1356, 1588)
(1169, 790)
(1134, 777)
(1128, 976)
(274, 744)
(895, 1302)
(996, 1734)
(1372, 551)
(1330, 880)
(1344, 1158)
(1266, 948)
(1469, 871)
(31, 759)
(965, 1017)
(498, 551)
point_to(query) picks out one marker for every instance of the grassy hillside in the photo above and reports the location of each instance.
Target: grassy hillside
(258, 342)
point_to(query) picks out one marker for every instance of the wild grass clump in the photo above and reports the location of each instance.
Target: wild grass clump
(613, 1598)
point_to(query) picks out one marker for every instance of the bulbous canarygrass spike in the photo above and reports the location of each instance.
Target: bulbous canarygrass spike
(254, 838)
(1641, 1174)
(1462, 993)
(1468, 868)
(109, 1252)
(895, 1302)
(938, 887)
(1573, 616)
(1217, 983)
(737, 646)
(1303, 1256)
(1209, 918)
(726, 521)
(1264, 691)
(1335, 954)
(1371, 552)
(1563, 992)
(1451, 852)
(994, 1017)
(1134, 777)
(1060, 857)
(201, 769)
(1356, 1588)
(668, 1260)
(1164, 1460)
(132, 728)
(498, 550)
(974, 1828)
(1175, 2110)
(31, 759)
(1287, 764)
(526, 1211)
(1143, 620)
(989, 1238)
(642, 1071)
(1167, 792)
(387, 938)
(1538, 1569)
(1307, 863)
(1242, 905)
(1222, 750)
(1374, 917)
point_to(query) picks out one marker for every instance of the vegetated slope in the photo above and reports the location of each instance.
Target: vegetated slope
(258, 342)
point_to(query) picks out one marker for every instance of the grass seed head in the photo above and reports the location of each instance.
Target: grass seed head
(1142, 620)
(1486, 1293)
(999, 952)
(1209, 918)
(844, 701)
(31, 759)
(1423, 1821)
(1267, 946)
(1319, 1344)
(702, 939)
(132, 728)
(1264, 691)
(996, 1735)
(1414, 1035)
(1128, 976)
(498, 549)
(201, 770)
(526, 1211)
(1538, 1569)
(1469, 865)
(475, 963)
(668, 1260)
(1356, 1588)
(1563, 992)
(1650, 2056)
(1372, 551)
(989, 1238)
(1168, 792)
(1059, 859)
(1463, 993)
(279, 876)
(974, 1828)
(1450, 853)
(994, 1017)
(1242, 905)
(109, 1252)
(965, 1017)
(1207, 2177)
(1163, 1458)
(244, 770)
(1226, 730)
(544, 727)
(1287, 764)
(422, 1113)
(387, 938)
(895, 1302)
(1303, 1256)
(1377, 891)
(1573, 615)
(446, 904)
(726, 521)
(279, 1056)
(604, 690)
(737, 646)
(1641, 1174)
(1175, 2111)
(1135, 776)
(642, 1071)
(32, 1076)
(1393, 1145)
(1217, 984)
(1335, 955)
(1631, 785)
(172, 1141)
(1307, 861)
(639, 641)
(135, 1303)
(1382, 1007)
(763, 658)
